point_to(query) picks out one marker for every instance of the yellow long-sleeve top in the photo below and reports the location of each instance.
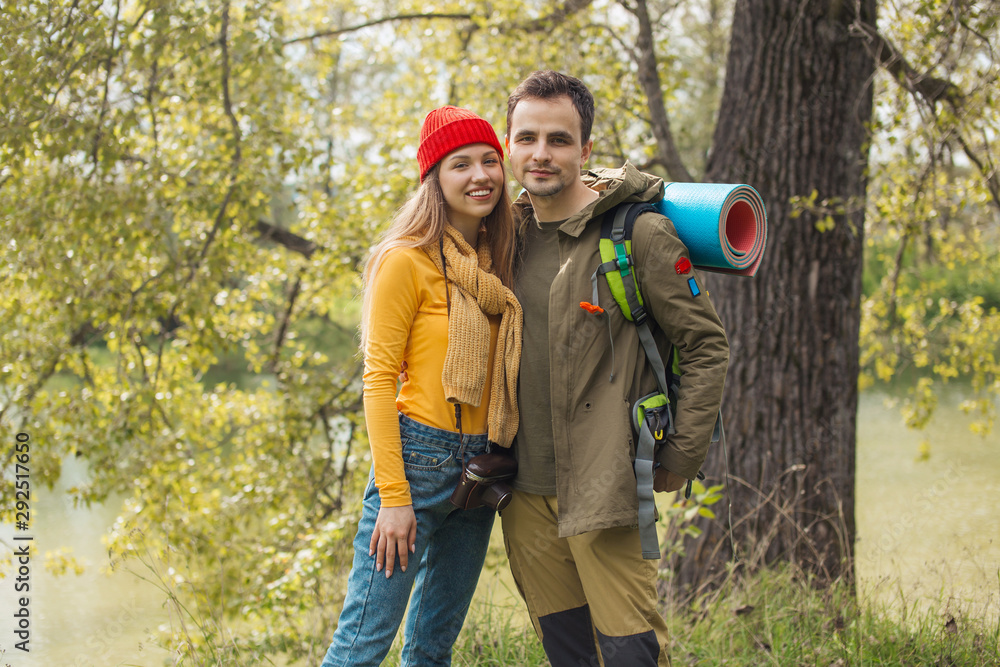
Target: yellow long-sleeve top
(408, 321)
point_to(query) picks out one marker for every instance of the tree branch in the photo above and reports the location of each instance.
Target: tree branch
(991, 175)
(342, 477)
(385, 19)
(279, 339)
(109, 64)
(40, 380)
(234, 164)
(227, 105)
(546, 23)
(227, 102)
(931, 89)
(897, 269)
(650, 164)
(542, 24)
(290, 240)
(649, 79)
(928, 89)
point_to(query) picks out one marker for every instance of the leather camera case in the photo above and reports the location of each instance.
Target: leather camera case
(484, 482)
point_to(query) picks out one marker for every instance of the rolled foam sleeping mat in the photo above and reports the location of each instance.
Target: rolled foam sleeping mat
(723, 225)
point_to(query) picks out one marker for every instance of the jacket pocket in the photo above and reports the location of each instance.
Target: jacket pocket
(628, 431)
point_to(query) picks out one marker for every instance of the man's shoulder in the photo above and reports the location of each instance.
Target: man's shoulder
(649, 223)
(655, 230)
(626, 183)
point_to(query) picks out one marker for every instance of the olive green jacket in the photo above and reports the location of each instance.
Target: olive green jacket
(591, 396)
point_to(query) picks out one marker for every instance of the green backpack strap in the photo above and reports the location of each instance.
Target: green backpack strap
(618, 268)
(616, 256)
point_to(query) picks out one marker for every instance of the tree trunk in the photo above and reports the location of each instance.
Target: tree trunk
(793, 119)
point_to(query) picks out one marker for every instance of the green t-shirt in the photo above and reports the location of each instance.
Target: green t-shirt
(534, 446)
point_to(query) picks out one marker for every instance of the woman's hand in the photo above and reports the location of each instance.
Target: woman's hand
(395, 533)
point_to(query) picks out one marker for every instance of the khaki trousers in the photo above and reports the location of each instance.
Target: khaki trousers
(592, 597)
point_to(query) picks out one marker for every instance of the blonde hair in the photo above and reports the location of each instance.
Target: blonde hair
(421, 222)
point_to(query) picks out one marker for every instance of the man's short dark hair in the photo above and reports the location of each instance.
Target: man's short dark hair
(547, 85)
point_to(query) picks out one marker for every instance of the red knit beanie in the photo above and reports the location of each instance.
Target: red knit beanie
(448, 128)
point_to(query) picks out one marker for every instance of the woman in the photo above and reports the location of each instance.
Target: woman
(436, 298)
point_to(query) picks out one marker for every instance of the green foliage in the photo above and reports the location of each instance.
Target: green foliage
(931, 312)
(932, 307)
(679, 517)
(136, 171)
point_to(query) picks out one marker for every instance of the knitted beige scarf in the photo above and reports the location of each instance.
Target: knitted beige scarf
(476, 292)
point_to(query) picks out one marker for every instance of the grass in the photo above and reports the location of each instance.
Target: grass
(776, 616)
(493, 636)
(779, 617)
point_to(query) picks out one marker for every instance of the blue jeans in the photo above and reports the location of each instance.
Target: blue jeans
(450, 548)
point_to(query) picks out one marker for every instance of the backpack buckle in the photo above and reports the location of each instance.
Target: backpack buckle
(639, 315)
(622, 258)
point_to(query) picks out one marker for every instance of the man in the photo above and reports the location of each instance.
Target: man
(570, 530)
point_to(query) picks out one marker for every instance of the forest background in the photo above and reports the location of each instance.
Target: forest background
(188, 191)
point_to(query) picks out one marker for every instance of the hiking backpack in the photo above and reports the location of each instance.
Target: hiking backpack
(653, 414)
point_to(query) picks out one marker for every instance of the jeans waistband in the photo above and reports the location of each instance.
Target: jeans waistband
(411, 428)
